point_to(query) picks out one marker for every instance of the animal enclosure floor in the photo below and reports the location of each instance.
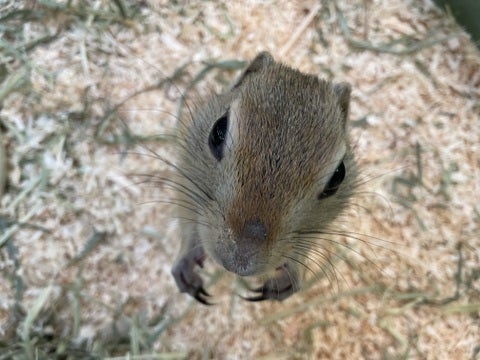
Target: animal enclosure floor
(90, 95)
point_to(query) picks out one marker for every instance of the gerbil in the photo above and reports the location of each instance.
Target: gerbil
(265, 168)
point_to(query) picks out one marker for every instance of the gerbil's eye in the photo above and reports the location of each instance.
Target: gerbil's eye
(216, 139)
(334, 182)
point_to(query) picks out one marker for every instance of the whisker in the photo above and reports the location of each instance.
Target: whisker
(181, 188)
(365, 179)
(187, 206)
(338, 243)
(351, 233)
(325, 267)
(327, 271)
(192, 221)
(180, 171)
(289, 257)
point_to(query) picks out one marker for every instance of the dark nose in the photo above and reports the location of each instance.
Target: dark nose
(253, 234)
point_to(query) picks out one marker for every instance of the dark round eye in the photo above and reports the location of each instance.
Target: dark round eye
(216, 139)
(334, 182)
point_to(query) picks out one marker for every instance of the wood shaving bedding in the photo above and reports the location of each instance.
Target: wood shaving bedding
(410, 286)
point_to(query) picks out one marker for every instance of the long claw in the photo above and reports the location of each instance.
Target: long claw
(255, 298)
(260, 289)
(280, 287)
(200, 295)
(261, 297)
(202, 301)
(202, 291)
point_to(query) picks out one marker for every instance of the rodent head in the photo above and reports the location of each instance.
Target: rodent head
(268, 161)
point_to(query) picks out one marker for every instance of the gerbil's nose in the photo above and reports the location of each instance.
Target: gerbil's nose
(253, 233)
(246, 254)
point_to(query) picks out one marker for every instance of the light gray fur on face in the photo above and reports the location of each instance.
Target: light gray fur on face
(286, 136)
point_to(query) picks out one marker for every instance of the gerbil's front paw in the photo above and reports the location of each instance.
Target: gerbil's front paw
(280, 287)
(187, 279)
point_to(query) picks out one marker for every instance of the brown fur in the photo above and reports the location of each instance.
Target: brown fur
(286, 135)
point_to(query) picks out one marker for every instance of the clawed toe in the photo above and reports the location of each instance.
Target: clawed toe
(270, 293)
(284, 284)
(261, 297)
(200, 295)
(188, 281)
(255, 298)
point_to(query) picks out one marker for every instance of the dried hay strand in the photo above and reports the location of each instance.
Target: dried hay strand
(90, 94)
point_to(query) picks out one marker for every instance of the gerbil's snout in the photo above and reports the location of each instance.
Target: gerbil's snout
(253, 232)
(242, 253)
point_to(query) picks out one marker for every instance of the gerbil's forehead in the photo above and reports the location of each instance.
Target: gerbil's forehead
(287, 131)
(283, 98)
(279, 88)
(283, 113)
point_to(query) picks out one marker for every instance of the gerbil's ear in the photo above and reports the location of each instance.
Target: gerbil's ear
(261, 61)
(343, 90)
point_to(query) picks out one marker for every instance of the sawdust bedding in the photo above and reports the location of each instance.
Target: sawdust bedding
(98, 239)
